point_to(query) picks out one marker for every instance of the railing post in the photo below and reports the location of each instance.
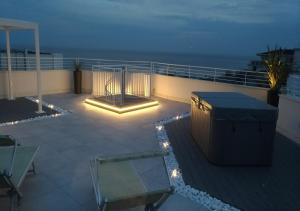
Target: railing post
(99, 64)
(215, 75)
(151, 67)
(245, 83)
(168, 69)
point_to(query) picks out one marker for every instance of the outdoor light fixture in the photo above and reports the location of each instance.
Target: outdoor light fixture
(51, 106)
(121, 110)
(166, 145)
(178, 117)
(175, 173)
(159, 127)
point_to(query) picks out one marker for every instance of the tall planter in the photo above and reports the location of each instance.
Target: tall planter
(273, 97)
(77, 81)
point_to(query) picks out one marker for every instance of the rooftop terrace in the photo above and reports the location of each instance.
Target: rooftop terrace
(71, 132)
(67, 143)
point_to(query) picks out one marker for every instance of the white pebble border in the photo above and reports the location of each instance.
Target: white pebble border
(56, 108)
(177, 181)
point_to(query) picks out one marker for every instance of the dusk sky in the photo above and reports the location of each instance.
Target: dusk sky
(234, 27)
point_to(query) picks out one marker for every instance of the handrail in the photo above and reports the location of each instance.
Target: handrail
(233, 76)
(293, 86)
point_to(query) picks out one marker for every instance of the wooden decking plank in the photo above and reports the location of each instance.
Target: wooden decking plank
(249, 188)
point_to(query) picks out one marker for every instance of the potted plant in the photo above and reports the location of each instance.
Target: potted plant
(278, 71)
(77, 77)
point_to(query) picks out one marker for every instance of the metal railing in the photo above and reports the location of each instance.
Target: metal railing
(293, 86)
(241, 77)
(110, 84)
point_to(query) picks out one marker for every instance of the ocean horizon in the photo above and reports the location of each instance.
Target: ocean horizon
(216, 61)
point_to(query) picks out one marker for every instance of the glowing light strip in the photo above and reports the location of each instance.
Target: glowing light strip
(121, 110)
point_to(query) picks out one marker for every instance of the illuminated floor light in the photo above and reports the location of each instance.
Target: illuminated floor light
(119, 109)
(166, 145)
(175, 173)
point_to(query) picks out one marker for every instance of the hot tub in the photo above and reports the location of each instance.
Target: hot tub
(232, 128)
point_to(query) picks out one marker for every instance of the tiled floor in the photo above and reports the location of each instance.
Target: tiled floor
(67, 144)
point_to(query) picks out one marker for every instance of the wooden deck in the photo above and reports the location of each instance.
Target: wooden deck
(20, 109)
(247, 188)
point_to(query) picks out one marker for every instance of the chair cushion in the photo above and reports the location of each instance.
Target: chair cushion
(119, 180)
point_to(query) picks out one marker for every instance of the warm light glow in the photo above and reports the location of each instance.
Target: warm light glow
(121, 110)
(121, 115)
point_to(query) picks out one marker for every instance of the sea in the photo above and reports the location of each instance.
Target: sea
(217, 61)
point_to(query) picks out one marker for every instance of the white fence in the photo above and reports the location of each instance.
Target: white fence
(241, 77)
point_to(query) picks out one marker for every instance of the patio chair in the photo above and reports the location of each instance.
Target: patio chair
(117, 184)
(7, 140)
(15, 162)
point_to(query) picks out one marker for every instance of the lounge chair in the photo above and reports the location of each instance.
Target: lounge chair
(7, 140)
(117, 184)
(15, 162)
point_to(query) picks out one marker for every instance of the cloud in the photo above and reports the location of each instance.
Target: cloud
(170, 13)
(207, 25)
(178, 11)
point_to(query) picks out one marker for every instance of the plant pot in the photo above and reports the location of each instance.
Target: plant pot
(77, 81)
(273, 97)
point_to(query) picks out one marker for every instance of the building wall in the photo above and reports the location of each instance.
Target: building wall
(179, 89)
(174, 88)
(289, 117)
(24, 82)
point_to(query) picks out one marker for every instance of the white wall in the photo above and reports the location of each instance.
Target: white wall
(179, 89)
(24, 82)
(174, 88)
(289, 117)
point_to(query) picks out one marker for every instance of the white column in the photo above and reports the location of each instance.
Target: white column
(10, 82)
(38, 69)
